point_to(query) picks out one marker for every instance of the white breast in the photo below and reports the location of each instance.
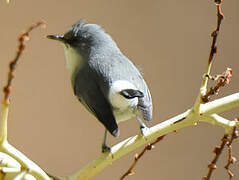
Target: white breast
(123, 108)
(73, 59)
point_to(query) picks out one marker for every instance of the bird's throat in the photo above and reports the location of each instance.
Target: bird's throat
(73, 61)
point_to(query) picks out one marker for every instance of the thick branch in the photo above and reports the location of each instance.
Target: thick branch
(220, 105)
(188, 118)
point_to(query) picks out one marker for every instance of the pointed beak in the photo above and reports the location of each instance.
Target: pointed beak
(56, 37)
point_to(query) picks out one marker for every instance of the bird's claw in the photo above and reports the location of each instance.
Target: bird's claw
(105, 148)
(143, 130)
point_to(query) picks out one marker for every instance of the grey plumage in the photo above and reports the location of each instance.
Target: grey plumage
(102, 64)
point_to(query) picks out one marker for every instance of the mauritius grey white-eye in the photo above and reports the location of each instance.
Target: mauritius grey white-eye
(104, 80)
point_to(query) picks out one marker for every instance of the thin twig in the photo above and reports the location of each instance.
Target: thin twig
(150, 146)
(217, 151)
(222, 80)
(213, 51)
(22, 39)
(215, 33)
(25, 163)
(231, 159)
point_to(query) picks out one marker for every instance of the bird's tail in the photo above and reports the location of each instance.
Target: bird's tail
(145, 109)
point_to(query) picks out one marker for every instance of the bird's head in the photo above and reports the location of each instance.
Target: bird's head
(83, 36)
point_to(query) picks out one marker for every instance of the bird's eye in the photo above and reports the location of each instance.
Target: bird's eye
(83, 44)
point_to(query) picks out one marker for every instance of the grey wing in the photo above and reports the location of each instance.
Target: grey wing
(145, 102)
(116, 66)
(87, 89)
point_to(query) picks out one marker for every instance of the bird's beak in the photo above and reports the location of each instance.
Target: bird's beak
(56, 37)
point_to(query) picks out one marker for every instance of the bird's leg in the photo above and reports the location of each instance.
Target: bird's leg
(143, 127)
(105, 148)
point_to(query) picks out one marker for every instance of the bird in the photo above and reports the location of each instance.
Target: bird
(103, 79)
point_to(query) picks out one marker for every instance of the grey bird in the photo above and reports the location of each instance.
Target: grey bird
(104, 80)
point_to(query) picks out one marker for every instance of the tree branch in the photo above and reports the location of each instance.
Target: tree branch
(222, 80)
(138, 156)
(200, 112)
(188, 118)
(213, 51)
(217, 151)
(231, 159)
(220, 105)
(26, 164)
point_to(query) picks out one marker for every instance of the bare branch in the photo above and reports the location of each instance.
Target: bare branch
(22, 39)
(217, 151)
(213, 51)
(215, 33)
(25, 163)
(150, 146)
(231, 159)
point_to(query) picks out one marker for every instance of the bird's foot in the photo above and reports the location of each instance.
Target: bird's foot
(143, 130)
(105, 148)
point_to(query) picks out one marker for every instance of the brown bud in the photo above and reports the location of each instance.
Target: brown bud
(131, 173)
(224, 139)
(233, 159)
(230, 173)
(136, 156)
(212, 166)
(218, 1)
(217, 150)
(149, 147)
(235, 134)
(214, 33)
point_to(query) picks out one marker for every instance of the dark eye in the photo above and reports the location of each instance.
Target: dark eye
(83, 44)
(68, 35)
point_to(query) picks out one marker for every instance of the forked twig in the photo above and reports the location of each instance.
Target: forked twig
(25, 163)
(213, 51)
(150, 146)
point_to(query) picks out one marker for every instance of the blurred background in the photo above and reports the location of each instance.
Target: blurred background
(168, 40)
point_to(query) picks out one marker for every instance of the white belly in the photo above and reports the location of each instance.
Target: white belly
(123, 115)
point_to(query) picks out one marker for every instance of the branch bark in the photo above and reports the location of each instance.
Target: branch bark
(200, 112)
(188, 118)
